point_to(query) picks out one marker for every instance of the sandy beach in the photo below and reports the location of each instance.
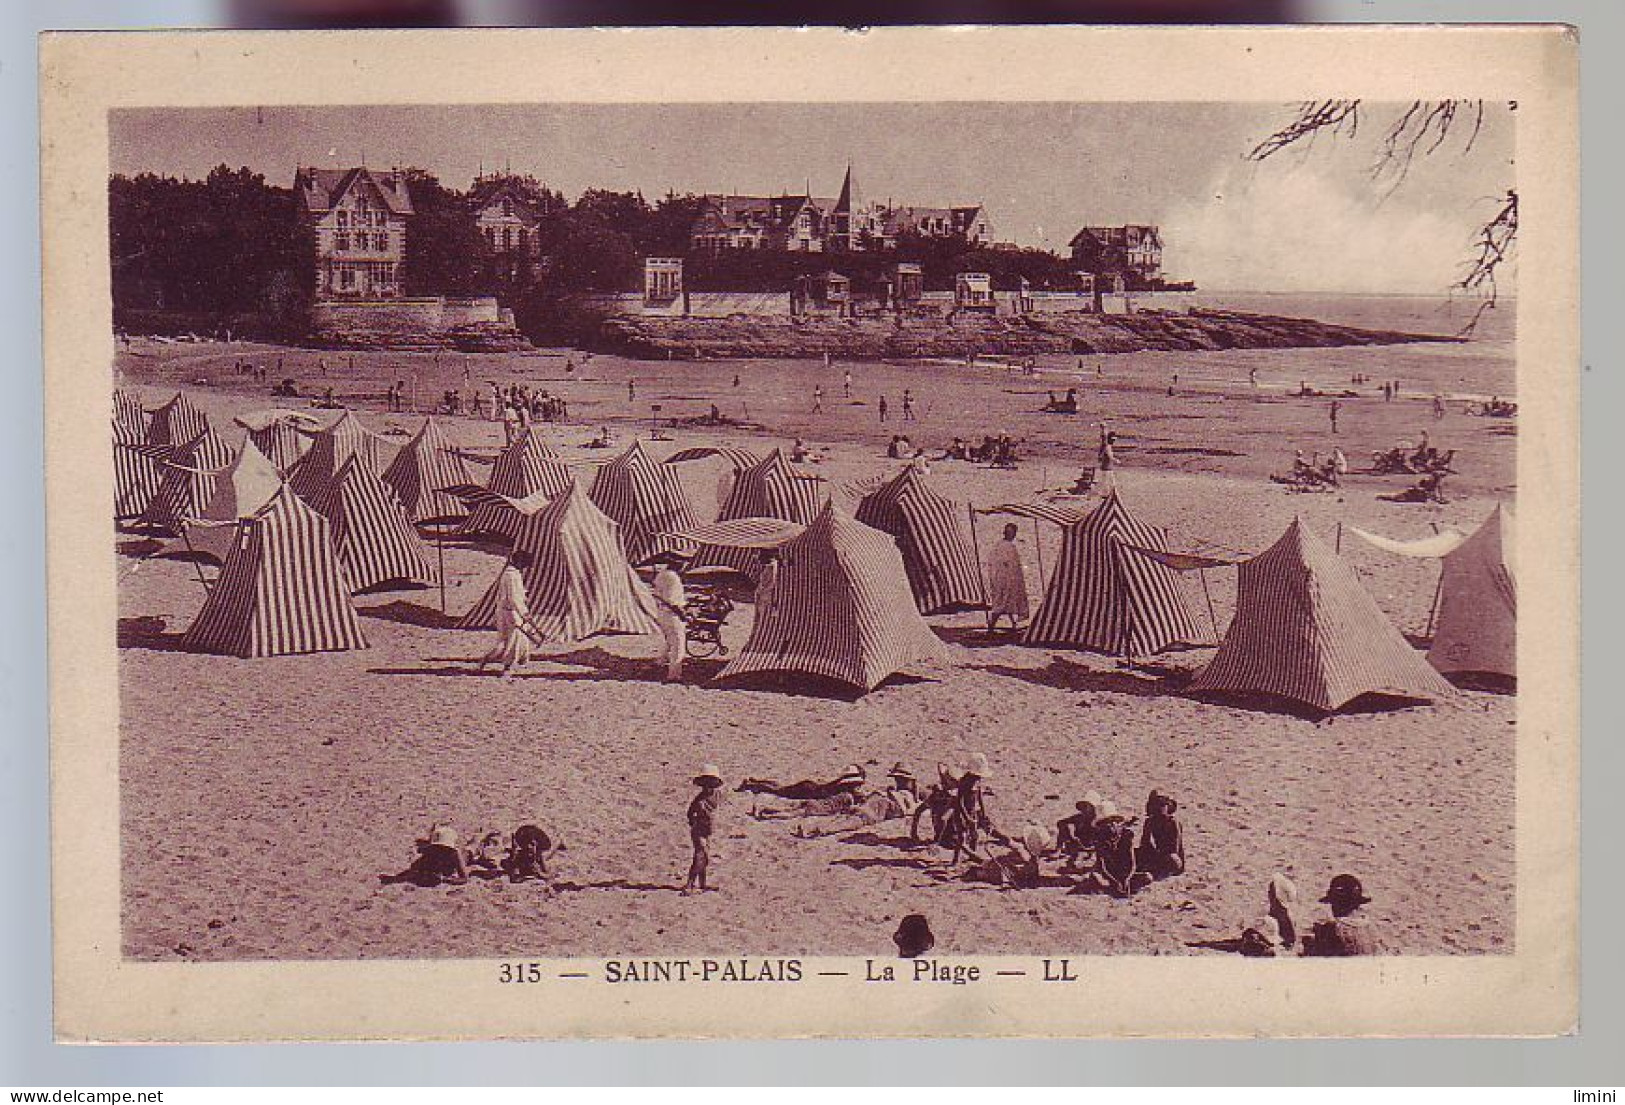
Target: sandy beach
(262, 799)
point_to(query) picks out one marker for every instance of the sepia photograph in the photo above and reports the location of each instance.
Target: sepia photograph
(840, 542)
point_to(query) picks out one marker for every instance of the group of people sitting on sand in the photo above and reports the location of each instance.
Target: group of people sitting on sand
(445, 858)
(1067, 404)
(1095, 844)
(1314, 474)
(1424, 459)
(1346, 931)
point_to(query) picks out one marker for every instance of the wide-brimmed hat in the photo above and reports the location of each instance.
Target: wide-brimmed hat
(976, 764)
(1093, 798)
(1157, 797)
(898, 771)
(709, 775)
(852, 771)
(1105, 810)
(1345, 890)
(444, 834)
(913, 936)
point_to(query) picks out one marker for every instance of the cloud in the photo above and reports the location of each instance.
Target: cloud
(1297, 227)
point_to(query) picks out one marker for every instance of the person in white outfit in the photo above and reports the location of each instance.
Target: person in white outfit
(513, 617)
(1006, 582)
(669, 601)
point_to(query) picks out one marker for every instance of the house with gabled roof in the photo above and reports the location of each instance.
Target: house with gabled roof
(510, 222)
(359, 218)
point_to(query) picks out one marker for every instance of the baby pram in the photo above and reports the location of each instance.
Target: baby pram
(705, 613)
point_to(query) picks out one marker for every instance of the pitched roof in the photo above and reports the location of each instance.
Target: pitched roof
(1307, 630)
(321, 189)
(842, 609)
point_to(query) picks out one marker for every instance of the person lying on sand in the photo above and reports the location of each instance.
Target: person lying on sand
(847, 782)
(439, 860)
(1018, 867)
(1162, 843)
(857, 810)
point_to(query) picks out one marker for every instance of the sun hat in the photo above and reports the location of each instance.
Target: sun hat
(898, 771)
(444, 834)
(1105, 810)
(1283, 889)
(913, 936)
(976, 764)
(1345, 889)
(852, 771)
(709, 773)
(1093, 798)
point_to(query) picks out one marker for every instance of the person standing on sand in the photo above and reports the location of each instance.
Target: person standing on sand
(1335, 407)
(908, 405)
(631, 390)
(1106, 456)
(1006, 582)
(882, 408)
(1252, 378)
(702, 817)
(669, 601)
(846, 382)
(513, 617)
(767, 584)
(818, 399)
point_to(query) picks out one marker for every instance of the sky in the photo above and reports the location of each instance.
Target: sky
(1305, 220)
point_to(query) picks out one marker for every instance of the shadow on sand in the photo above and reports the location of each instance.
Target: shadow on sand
(410, 613)
(1067, 675)
(149, 633)
(976, 636)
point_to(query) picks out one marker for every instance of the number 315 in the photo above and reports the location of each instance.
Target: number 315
(519, 972)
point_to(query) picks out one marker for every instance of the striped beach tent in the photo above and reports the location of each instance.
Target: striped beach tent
(129, 414)
(842, 609)
(526, 468)
(282, 435)
(579, 582)
(1477, 627)
(137, 472)
(280, 591)
(372, 537)
(421, 469)
(1306, 630)
(770, 488)
(240, 490)
(931, 532)
(328, 452)
(1106, 595)
(646, 499)
(176, 422)
(187, 482)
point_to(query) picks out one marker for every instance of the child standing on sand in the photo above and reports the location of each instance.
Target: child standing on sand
(702, 812)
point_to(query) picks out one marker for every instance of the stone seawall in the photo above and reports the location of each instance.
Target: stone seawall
(930, 336)
(477, 324)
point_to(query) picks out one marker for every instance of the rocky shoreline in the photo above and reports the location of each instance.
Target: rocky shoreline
(1076, 332)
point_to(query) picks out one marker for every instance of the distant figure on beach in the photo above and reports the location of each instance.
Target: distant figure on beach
(1106, 457)
(908, 405)
(1347, 932)
(631, 390)
(767, 584)
(1006, 582)
(1438, 406)
(702, 819)
(1252, 377)
(513, 617)
(849, 781)
(439, 860)
(920, 463)
(1332, 411)
(1075, 834)
(798, 452)
(669, 601)
(736, 379)
(882, 408)
(527, 854)
(846, 383)
(818, 399)
(1162, 842)
(1387, 392)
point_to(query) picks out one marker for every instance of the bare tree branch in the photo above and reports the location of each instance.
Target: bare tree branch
(1420, 129)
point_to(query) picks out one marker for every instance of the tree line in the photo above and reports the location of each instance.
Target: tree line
(232, 250)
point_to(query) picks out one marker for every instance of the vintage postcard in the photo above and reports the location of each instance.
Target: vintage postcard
(1025, 532)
